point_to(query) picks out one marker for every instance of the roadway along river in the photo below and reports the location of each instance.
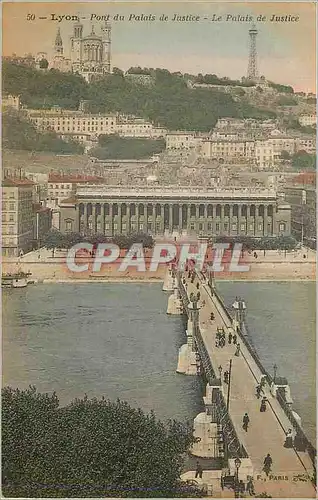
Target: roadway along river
(116, 340)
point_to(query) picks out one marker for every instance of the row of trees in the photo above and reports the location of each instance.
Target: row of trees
(115, 147)
(89, 448)
(55, 240)
(265, 243)
(215, 80)
(19, 133)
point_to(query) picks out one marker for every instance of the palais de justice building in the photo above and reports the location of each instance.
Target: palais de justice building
(112, 210)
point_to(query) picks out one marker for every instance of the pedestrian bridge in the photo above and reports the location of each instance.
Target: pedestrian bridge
(219, 428)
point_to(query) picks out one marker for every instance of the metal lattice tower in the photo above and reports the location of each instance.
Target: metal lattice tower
(252, 72)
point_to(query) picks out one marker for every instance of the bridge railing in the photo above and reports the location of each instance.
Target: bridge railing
(234, 447)
(312, 452)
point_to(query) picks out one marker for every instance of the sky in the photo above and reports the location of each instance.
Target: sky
(286, 50)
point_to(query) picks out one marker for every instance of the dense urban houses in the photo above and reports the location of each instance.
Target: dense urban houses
(17, 216)
(175, 211)
(86, 127)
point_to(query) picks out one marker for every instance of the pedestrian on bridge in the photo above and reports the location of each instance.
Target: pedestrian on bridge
(230, 338)
(246, 421)
(263, 405)
(199, 470)
(198, 286)
(268, 462)
(212, 317)
(289, 439)
(250, 486)
(258, 391)
(234, 338)
(220, 371)
(226, 377)
(238, 350)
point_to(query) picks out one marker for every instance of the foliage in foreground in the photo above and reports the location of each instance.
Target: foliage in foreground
(89, 448)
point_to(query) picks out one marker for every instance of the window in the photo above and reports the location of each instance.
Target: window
(192, 225)
(200, 226)
(251, 226)
(217, 227)
(11, 194)
(11, 206)
(234, 227)
(124, 226)
(209, 226)
(115, 226)
(11, 217)
(141, 226)
(11, 229)
(260, 226)
(282, 226)
(68, 225)
(226, 226)
(107, 226)
(242, 227)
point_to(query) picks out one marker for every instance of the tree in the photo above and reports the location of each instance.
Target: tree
(53, 240)
(285, 155)
(89, 448)
(303, 161)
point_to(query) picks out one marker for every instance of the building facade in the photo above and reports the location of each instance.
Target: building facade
(112, 210)
(11, 101)
(308, 120)
(17, 216)
(90, 56)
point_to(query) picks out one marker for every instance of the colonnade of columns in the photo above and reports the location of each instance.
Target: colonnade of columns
(162, 218)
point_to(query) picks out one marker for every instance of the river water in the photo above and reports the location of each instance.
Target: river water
(116, 340)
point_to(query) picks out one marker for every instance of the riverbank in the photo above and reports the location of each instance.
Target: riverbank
(274, 266)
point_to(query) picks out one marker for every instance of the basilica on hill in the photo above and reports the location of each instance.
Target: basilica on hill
(90, 56)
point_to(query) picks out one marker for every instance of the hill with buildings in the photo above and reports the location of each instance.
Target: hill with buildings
(168, 102)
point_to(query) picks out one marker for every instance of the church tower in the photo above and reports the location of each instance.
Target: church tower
(106, 47)
(58, 46)
(76, 47)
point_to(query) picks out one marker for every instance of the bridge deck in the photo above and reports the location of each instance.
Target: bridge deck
(266, 432)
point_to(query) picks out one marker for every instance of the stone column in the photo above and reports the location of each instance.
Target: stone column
(128, 217)
(265, 222)
(111, 218)
(180, 218)
(85, 218)
(94, 218)
(137, 217)
(170, 217)
(205, 224)
(188, 217)
(222, 220)
(162, 218)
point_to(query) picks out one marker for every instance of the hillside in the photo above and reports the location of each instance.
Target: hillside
(168, 102)
(19, 133)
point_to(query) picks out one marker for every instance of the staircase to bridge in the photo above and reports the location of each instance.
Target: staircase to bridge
(219, 428)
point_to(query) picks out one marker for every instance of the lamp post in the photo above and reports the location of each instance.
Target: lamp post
(275, 372)
(237, 463)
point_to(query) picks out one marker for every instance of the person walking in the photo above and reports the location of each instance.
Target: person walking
(226, 377)
(238, 350)
(258, 391)
(234, 338)
(199, 470)
(289, 439)
(263, 405)
(250, 486)
(246, 421)
(230, 338)
(241, 488)
(268, 462)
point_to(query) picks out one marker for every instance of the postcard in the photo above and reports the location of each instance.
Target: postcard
(158, 249)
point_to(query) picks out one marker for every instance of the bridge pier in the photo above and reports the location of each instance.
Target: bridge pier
(168, 282)
(175, 304)
(188, 357)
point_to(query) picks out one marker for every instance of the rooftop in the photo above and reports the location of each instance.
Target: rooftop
(14, 182)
